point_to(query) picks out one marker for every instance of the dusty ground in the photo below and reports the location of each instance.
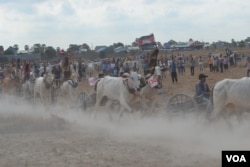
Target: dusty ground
(56, 136)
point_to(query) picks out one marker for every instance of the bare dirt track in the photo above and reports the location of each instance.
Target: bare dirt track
(55, 136)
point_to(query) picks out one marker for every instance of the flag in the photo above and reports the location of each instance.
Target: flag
(146, 40)
(153, 61)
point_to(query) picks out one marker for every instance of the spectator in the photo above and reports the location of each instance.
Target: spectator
(225, 63)
(215, 63)
(183, 64)
(57, 71)
(127, 69)
(200, 61)
(192, 64)
(210, 63)
(115, 70)
(26, 71)
(121, 69)
(248, 66)
(173, 71)
(221, 63)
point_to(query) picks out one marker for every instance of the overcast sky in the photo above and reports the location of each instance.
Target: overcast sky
(59, 23)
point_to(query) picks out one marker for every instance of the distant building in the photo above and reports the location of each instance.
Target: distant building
(22, 57)
(100, 48)
(121, 49)
(196, 45)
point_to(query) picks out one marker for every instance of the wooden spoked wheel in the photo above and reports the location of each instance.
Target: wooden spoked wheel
(181, 103)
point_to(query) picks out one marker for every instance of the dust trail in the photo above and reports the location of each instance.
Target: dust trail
(190, 135)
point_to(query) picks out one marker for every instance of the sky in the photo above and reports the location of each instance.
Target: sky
(59, 23)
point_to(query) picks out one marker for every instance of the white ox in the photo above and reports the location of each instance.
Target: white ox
(43, 87)
(118, 89)
(234, 92)
(70, 87)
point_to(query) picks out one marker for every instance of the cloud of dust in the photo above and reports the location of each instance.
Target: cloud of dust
(182, 135)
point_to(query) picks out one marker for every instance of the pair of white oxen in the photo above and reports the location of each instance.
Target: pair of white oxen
(43, 85)
(126, 91)
(226, 92)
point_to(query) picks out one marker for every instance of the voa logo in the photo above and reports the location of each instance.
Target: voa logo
(236, 158)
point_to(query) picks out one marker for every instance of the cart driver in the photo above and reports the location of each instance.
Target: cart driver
(202, 89)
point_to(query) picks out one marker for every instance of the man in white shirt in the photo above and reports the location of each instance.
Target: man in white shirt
(158, 74)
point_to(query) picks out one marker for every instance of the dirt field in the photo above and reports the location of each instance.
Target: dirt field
(57, 136)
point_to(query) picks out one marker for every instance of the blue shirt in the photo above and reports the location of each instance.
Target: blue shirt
(202, 89)
(173, 67)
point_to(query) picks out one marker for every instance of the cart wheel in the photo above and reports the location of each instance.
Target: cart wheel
(181, 103)
(85, 100)
(81, 101)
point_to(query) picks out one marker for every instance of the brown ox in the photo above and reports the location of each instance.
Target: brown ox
(10, 81)
(9, 84)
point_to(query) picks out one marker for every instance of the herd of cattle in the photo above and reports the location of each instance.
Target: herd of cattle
(125, 90)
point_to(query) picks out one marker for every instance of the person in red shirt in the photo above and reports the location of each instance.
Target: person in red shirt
(26, 71)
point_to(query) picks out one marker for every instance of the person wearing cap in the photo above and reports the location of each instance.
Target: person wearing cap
(201, 87)
(203, 91)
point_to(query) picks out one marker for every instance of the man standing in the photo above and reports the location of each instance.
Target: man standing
(192, 64)
(200, 61)
(248, 66)
(173, 71)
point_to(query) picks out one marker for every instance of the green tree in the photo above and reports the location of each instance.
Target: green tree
(58, 49)
(234, 44)
(242, 44)
(26, 47)
(36, 47)
(134, 43)
(1, 49)
(115, 45)
(50, 52)
(73, 48)
(86, 46)
(247, 39)
(172, 42)
(43, 48)
(9, 51)
(102, 54)
(16, 47)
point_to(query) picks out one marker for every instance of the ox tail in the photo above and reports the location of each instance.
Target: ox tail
(211, 95)
(96, 83)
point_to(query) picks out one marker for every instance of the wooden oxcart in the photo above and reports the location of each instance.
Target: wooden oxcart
(177, 104)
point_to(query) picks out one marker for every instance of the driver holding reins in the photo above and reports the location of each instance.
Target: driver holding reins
(201, 87)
